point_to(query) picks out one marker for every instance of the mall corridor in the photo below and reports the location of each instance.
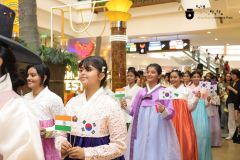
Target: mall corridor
(228, 151)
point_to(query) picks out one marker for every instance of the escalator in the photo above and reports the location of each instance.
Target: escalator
(202, 60)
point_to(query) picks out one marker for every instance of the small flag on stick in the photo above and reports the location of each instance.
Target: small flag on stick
(120, 93)
(63, 123)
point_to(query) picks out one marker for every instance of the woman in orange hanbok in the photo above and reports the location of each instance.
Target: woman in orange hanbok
(184, 102)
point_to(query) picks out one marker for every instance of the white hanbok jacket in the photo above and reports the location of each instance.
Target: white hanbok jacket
(19, 131)
(186, 94)
(47, 103)
(105, 113)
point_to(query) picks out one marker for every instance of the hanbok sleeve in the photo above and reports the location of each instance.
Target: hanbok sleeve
(215, 100)
(20, 138)
(205, 94)
(118, 135)
(128, 108)
(192, 101)
(130, 101)
(56, 108)
(135, 103)
(168, 112)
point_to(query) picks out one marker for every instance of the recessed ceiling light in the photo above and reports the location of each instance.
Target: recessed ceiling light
(208, 32)
(227, 44)
(239, 11)
(141, 37)
(216, 39)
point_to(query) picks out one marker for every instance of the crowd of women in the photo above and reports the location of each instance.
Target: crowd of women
(184, 126)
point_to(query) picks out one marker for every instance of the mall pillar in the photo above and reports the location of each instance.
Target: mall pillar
(118, 49)
(118, 16)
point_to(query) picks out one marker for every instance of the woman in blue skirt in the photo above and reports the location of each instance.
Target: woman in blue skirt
(200, 119)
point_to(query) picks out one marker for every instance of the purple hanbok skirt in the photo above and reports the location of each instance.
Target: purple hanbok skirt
(89, 142)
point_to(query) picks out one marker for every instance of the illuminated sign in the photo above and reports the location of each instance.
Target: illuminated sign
(131, 47)
(155, 46)
(142, 48)
(72, 82)
(83, 47)
(176, 44)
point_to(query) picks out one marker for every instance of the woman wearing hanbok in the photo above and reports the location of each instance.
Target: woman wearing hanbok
(153, 136)
(100, 131)
(187, 79)
(19, 134)
(184, 102)
(166, 80)
(214, 120)
(213, 114)
(131, 91)
(47, 104)
(200, 119)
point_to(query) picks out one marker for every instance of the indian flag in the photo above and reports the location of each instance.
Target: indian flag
(120, 93)
(63, 123)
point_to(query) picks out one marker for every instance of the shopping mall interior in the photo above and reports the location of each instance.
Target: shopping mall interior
(176, 34)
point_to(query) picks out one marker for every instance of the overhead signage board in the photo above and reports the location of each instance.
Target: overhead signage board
(162, 46)
(155, 46)
(142, 48)
(176, 44)
(131, 47)
(165, 45)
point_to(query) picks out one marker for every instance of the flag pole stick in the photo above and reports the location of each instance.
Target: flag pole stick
(70, 134)
(74, 140)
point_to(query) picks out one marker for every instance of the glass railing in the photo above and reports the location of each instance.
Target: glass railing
(202, 59)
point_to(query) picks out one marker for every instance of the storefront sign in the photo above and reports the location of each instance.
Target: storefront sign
(72, 82)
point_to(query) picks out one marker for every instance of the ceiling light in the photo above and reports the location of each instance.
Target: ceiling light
(141, 37)
(208, 32)
(216, 39)
(227, 44)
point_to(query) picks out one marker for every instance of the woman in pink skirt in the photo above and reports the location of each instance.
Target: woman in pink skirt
(47, 104)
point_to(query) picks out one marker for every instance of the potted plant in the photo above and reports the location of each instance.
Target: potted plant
(57, 59)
